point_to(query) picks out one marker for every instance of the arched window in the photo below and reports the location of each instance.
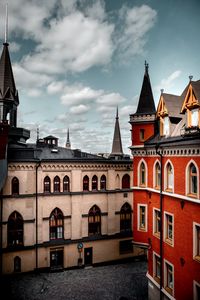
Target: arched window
(94, 183)
(126, 181)
(17, 264)
(56, 224)
(157, 175)
(192, 179)
(47, 185)
(125, 218)
(94, 221)
(66, 182)
(142, 174)
(56, 184)
(103, 182)
(85, 183)
(15, 229)
(169, 177)
(15, 186)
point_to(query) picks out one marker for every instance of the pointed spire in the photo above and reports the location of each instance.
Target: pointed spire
(6, 24)
(68, 144)
(117, 143)
(146, 103)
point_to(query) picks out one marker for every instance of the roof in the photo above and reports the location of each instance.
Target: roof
(173, 104)
(146, 103)
(7, 82)
(196, 88)
(117, 142)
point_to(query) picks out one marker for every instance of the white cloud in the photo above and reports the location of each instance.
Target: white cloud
(55, 87)
(110, 99)
(137, 23)
(167, 83)
(80, 109)
(77, 94)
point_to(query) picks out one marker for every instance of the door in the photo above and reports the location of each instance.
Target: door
(56, 259)
(88, 256)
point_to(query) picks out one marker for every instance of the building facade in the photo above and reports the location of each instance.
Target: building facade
(60, 208)
(166, 188)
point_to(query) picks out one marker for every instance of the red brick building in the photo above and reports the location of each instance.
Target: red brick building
(166, 189)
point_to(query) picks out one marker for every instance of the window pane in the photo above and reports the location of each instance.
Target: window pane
(194, 117)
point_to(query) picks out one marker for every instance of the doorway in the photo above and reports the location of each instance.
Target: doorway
(88, 256)
(56, 259)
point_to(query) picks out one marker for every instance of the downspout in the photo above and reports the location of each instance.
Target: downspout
(36, 216)
(1, 233)
(161, 219)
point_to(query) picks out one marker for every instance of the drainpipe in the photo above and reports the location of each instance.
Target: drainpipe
(1, 238)
(161, 219)
(36, 216)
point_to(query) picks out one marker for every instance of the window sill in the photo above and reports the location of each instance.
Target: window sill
(170, 291)
(157, 279)
(197, 258)
(157, 187)
(192, 195)
(142, 185)
(157, 234)
(142, 229)
(168, 190)
(169, 242)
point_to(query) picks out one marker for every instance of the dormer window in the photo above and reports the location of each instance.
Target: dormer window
(166, 126)
(194, 117)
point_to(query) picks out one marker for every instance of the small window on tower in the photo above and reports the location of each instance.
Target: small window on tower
(142, 135)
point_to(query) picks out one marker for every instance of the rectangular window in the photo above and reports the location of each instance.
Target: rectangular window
(196, 287)
(142, 135)
(156, 222)
(125, 247)
(169, 228)
(142, 217)
(194, 117)
(196, 241)
(156, 267)
(169, 278)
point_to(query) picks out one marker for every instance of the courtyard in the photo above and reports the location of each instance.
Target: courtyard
(122, 281)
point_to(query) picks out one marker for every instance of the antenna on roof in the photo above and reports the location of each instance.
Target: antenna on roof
(146, 67)
(190, 77)
(6, 24)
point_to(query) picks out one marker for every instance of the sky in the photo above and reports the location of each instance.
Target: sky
(75, 62)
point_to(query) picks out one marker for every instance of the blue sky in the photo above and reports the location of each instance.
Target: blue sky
(74, 62)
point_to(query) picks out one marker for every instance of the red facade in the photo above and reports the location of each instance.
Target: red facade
(166, 197)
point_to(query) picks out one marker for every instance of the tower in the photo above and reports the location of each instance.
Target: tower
(68, 144)
(143, 120)
(117, 150)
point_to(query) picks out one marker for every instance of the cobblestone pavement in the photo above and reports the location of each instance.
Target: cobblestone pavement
(125, 281)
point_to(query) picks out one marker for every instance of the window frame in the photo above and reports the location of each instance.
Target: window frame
(66, 184)
(125, 217)
(94, 183)
(47, 183)
(157, 175)
(15, 230)
(94, 221)
(103, 182)
(86, 182)
(188, 179)
(156, 261)
(156, 220)
(126, 181)
(56, 184)
(167, 223)
(56, 225)
(140, 217)
(15, 186)
(196, 241)
(196, 285)
(168, 271)
(169, 188)
(140, 171)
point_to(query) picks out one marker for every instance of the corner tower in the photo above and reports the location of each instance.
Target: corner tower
(117, 150)
(144, 119)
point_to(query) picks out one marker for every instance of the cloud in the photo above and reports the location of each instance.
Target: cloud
(167, 83)
(137, 23)
(55, 87)
(78, 94)
(80, 109)
(111, 99)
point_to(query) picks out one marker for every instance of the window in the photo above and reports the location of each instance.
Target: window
(125, 218)
(157, 175)
(47, 185)
(126, 181)
(85, 183)
(103, 182)
(169, 278)
(56, 224)
(94, 183)
(66, 182)
(192, 180)
(156, 224)
(94, 221)
(142, 174)
(166, 126)
(125, 247)
(15, 186)
(169, 228)
(196, 287)
(17, 264)
(196, 241)
(194, 117)
(56, 184)
(15, 229)
(156, 267)
(169, 178)
(142, 135)
(142, 217)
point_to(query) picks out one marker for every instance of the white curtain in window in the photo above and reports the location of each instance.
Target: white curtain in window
(194, 117)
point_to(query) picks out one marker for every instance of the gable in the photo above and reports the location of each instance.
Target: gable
(162, 109)
(190, 101)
